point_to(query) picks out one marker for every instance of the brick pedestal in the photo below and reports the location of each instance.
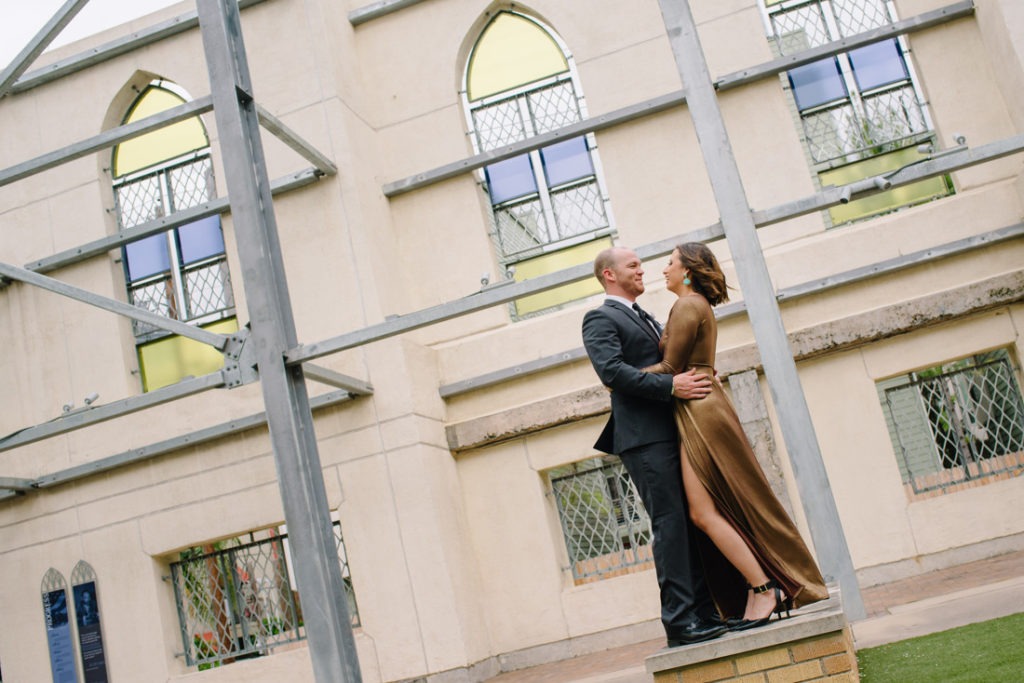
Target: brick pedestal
(817, 645)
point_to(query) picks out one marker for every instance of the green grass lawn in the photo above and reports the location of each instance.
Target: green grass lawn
(987, 652)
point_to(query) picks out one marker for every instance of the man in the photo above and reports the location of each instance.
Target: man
(620, 338)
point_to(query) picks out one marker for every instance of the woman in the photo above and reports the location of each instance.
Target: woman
(758, 564)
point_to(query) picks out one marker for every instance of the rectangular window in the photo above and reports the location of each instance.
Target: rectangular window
(956, 425)
(606, 529)
(236, 599)
(859, 105)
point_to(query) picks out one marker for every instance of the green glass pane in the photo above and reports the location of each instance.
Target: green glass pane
(172, 359)
(555, 261)
(512, 51)
(907, 195)
(159, 145)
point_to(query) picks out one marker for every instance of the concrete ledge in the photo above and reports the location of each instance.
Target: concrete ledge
(815, 644)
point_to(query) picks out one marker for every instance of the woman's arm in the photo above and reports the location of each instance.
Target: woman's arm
(680, 336)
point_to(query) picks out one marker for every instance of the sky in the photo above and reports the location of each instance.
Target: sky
(20, 20)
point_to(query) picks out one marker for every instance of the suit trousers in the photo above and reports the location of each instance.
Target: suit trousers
(657, 474)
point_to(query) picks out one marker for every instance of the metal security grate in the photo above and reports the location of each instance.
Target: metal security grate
(578, 210)
(139, 201)
(237, 600)
(208, 288)
(607, 531)
(499, 124)
(952, 426)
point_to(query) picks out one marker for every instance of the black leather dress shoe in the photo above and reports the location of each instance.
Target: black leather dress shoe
(730, 623)
(696, 631)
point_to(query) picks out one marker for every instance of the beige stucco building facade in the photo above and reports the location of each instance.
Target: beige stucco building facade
(440, 477)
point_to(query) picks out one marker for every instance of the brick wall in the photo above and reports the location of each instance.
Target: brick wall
(814, 647)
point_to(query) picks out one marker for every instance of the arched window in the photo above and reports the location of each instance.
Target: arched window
(181, 273)
(549, 208)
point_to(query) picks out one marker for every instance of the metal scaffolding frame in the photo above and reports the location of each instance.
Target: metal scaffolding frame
(282, 365)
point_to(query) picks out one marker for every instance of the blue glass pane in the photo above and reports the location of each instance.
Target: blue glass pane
(565, 161)
(817, 83)
(510, 179)
(878, 64)
(201, 239)
(146, 257)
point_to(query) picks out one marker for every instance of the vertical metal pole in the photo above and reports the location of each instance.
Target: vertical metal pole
(315, 552)
(779, 367)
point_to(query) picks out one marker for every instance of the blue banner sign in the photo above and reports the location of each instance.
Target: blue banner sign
(58, 636)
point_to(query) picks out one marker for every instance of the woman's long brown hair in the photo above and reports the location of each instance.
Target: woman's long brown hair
(706, 276)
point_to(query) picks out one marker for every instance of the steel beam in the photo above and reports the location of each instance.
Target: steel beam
(318, 373)
(674, 99)
(492, 295)
(36, 46)
(317, 570)
(95, 414)
(178, 218)
(739, 307)
(514, 372)
(189, 440)
(378, 9)
(217, 341)
(916, 23)
(295, 141)
(155, 450)
(115, 48)
(762, 308)
(504, 292)
(941, 164)
(105, 139)
(15, 485)
(589, 125)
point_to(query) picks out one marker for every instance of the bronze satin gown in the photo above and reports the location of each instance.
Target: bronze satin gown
(717, 447)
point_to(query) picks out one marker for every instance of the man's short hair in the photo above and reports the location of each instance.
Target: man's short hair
(605, 259)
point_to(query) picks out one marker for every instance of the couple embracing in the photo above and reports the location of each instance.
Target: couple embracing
(678, 436)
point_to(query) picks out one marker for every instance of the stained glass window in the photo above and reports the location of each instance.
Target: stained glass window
(181, 273)
(520, 82)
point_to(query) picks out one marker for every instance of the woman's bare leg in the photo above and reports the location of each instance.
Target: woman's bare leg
(708, 519)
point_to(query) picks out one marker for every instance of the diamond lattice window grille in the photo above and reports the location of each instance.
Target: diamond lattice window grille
(191, 183)
(236, 600)
(578, 210)
(208, 289)
(139, 201)
(606, 529)
(952, 425)
(857, 16)
(156, 297)
(499, 124)
(553, 107)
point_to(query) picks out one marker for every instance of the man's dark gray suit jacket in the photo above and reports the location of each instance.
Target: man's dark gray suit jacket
(618, 343)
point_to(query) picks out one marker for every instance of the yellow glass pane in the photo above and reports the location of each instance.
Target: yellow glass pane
(512, 51)
(559, 260)
(884, 201)
(159, 145)
(172, 359)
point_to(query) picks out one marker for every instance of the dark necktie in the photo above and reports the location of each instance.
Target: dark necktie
(646, 317)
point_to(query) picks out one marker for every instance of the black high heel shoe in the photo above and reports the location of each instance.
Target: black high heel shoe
(782, 602)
